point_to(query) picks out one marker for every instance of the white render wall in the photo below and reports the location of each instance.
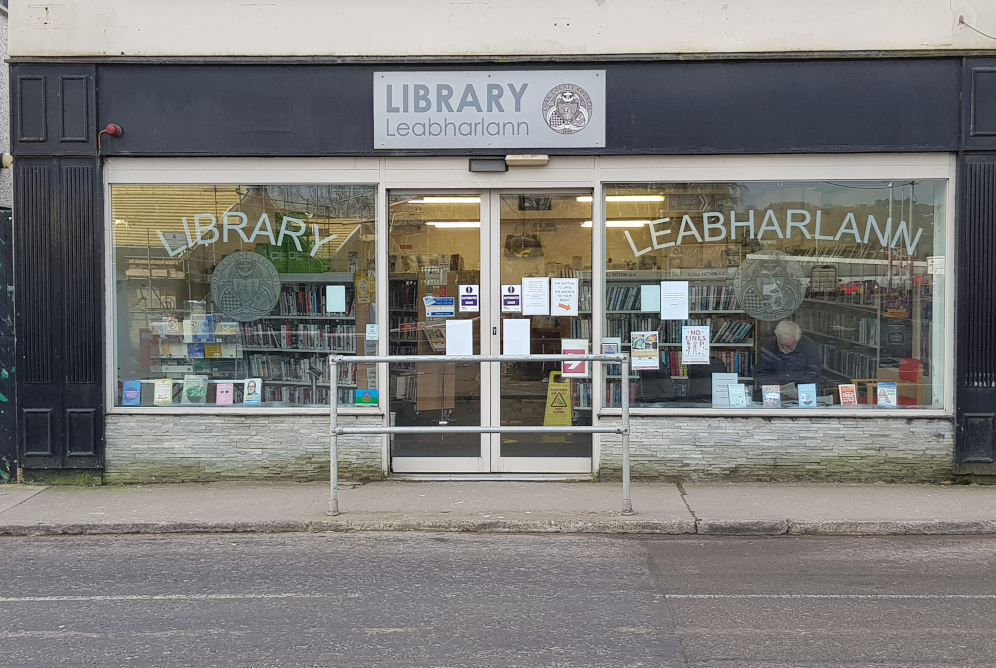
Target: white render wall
(492, 28)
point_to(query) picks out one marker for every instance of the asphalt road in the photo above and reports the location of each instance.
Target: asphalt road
(490, 600)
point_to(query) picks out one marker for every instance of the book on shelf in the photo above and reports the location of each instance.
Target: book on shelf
(771, 396)
(194, 389)
(224, 394)
(131, 393)
(887, 395)
(212, 350)
(252, 391)
(738, 395)
(807, 395)
(164, 392)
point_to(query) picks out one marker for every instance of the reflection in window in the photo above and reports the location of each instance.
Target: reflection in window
(816, 294)
(236, 295)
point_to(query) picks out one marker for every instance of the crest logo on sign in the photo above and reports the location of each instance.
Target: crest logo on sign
(567, 109)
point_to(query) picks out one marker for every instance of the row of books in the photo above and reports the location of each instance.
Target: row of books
(582, 395)
(339, 338)
(839, 325)
(309, 300)
(404, 387)
(712, 297)
(740, 363)
(299, 369)
(580, 328)
(402, 294)
(624, 326)
(623, 298)
(170, 349)
(403, 327)
(851, 363)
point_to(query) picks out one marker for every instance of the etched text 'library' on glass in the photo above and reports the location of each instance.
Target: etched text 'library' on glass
(234, 295)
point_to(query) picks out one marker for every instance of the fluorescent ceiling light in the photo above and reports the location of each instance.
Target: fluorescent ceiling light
(619, 223)
(625, 198)
(447, 200)
(454, 225)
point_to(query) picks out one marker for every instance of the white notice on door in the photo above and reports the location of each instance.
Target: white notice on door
(536, 296)
(515, 336)
(564, 293)
(459, 337)
(674, 300)
(470, 298)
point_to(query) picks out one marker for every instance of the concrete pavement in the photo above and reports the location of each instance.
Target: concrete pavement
(504, 506)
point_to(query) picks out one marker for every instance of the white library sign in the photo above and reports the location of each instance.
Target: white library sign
(489, 109)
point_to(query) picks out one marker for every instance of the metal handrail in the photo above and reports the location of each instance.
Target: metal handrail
(335, 430)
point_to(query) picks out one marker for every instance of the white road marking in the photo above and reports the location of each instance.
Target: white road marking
(157, 597)
(870, 597)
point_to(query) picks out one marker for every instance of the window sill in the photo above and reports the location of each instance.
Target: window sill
(214, 410)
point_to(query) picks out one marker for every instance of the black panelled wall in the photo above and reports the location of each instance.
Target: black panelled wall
(58, 263)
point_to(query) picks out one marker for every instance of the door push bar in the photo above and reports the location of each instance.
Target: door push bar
(335, 430)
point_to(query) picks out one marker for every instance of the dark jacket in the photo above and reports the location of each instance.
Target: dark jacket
(802, 365)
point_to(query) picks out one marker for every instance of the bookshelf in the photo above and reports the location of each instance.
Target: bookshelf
(847, 330)
(712, 302)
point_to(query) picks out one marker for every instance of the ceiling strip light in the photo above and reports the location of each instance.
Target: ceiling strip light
(446, 200)
(452, 225)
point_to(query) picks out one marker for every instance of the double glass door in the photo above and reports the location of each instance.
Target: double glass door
(452, 259)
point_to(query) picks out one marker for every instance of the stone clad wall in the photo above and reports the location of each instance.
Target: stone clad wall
(182, 448)
(830, 449)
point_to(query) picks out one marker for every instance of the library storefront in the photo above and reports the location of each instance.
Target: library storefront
(789, 309)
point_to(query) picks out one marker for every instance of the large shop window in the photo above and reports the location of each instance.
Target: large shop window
(798, 294)
(230, 295)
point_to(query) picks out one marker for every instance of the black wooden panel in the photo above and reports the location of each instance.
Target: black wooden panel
(81, 432)
(978, 439)
(32, 108)
(54, 109)
(74, 107)
(37, 431)
(8, 440)
(662, 107)
(979, 81)
(975, 387)
(34, 225)
(81, 295)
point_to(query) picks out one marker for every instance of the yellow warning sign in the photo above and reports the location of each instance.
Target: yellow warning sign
(558, 401)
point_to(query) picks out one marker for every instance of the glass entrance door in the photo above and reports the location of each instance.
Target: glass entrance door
(543, 244)
(450, 257)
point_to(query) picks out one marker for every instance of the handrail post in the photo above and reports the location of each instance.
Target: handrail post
(333, 436)
(627, 500)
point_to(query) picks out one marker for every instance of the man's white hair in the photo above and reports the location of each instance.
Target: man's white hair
(788, 330)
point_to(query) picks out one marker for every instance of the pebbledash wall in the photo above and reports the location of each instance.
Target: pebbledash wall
(753, 86)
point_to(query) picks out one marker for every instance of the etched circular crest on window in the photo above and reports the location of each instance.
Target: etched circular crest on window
(770, 287)
(245, 286)
(567, 109)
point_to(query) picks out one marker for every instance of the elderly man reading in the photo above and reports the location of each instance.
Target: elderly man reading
(788, 357)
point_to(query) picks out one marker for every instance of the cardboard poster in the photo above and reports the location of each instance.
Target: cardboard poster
(511, 299)
(574, 347)
(695, 344)
(515, 336)
(435, 334)
(470, 298)
(644, 350)
(674, 300)
(564, 296)
(536, 296)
